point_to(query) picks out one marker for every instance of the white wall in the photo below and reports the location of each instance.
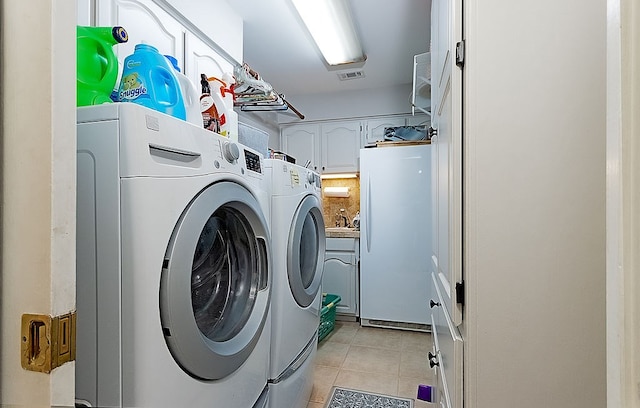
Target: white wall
(266, 121)
(350, 104)
(38, 188)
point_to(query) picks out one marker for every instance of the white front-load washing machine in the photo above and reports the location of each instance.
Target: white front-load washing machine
(298, 242)
(173, 264)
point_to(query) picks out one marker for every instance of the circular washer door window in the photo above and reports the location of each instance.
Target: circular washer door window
(305, 251)
(215, 284)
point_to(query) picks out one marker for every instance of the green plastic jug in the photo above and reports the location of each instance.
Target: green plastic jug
(97, 64)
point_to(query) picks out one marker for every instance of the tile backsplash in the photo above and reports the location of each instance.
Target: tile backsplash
(332, 205)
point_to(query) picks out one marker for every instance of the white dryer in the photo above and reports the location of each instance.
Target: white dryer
(298, 242)
(173, 264)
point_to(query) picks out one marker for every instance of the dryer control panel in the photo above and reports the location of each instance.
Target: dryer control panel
(252, 161)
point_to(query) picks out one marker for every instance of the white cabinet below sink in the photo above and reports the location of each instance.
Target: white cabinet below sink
(341, 274)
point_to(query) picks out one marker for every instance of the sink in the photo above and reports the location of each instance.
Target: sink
(342, 232)
(340, 229)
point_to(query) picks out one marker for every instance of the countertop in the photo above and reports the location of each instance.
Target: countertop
(342, 232)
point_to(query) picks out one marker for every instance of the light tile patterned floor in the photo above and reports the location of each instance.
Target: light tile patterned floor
(384, 361)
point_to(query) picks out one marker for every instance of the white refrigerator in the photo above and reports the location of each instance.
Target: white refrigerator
(395, 234)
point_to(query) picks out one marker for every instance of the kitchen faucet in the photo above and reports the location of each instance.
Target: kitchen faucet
(344, 218)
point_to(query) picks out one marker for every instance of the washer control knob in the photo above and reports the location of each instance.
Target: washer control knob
(311, 178)
(230, 151)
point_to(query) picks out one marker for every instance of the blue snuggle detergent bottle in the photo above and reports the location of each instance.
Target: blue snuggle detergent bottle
(148, 80)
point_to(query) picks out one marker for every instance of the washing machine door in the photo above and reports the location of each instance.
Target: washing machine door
(215, 283)
(305, 251)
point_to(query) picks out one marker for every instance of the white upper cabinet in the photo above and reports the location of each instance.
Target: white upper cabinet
(145, 22)
(421, 93)
(330, 147)
(84, 12)
(302, 142)
(149, 23)
(334, 146)
(374, 128)
(200, 59)
(341, 143)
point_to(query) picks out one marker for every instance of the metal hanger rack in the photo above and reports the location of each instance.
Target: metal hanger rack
(253, 94)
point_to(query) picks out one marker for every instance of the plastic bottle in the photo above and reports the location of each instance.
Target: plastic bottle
(97, 64)
(223, 98)
(149, 80)
(210, 116)
(189, 94)
(229, 98)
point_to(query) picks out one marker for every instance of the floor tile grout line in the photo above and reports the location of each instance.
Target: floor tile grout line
(403, 349)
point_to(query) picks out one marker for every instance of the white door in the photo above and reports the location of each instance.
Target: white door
(447, 121)
(341, 146)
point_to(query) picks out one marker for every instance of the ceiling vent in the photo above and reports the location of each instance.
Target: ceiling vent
(345, 76)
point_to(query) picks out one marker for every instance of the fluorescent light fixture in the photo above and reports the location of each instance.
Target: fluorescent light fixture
(339, 176)
(330, 25)
(336, 191)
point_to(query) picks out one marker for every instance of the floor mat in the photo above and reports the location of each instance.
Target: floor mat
(346, 398)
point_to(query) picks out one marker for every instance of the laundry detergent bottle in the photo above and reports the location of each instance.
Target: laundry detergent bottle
(190, 94)
(97, 64)
(149, 80)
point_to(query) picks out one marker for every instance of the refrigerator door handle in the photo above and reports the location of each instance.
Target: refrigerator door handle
(368, 215)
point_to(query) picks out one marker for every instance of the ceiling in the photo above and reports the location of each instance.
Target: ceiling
(278, 47)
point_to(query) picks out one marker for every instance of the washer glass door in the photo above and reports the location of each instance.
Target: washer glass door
(305, 251)
(215, 284)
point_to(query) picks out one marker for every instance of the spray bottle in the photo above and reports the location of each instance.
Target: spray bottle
(210, 117)
(215, 92)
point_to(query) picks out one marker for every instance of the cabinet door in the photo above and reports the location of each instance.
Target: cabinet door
(84, 10)
(374, 131)
(418, 120)
(302, 142)
(448, 350)
(340, 275)
(447, 120)
(145, 22)
(341, 143)
(202, 59)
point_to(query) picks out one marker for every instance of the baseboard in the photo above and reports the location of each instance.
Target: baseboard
(396, 325)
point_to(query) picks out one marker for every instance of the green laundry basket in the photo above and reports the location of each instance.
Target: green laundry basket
(328, 315)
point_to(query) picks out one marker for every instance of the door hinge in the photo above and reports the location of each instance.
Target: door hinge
(460, 293)
(460, 54)
(47, 342)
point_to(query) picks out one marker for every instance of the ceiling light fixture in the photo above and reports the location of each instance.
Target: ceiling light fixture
(331, 26)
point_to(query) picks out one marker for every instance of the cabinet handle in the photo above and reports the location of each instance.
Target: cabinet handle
(433, 363)
(433, 304)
